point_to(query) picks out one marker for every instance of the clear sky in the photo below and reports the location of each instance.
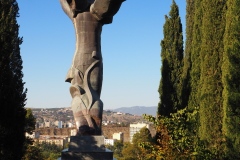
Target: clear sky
(130, 49)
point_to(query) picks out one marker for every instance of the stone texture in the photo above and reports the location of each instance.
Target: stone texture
(86, 72)
(107, 155)
(86, 148)
(87, 143)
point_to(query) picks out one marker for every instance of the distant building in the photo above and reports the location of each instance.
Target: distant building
(64, 125)
(55, 123)
(70, 124)
(104, 123)
(118, 136)
(40, 125)
(109, 141)
(33, 135)
(53, 140)
(60, 125)
(47, 124)
(73, 132)
(134, 128)
(36, 125)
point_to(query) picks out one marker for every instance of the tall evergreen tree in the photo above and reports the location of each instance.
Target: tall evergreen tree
(192, 56)
(210, 91)
(231, 80)
(187, 53)
(210, 75)
(12, 92)
(170, 88)
(193, 49)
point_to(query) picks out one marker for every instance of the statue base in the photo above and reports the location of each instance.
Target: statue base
(86, 148)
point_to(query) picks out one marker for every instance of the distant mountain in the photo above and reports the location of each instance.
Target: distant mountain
(138, 110)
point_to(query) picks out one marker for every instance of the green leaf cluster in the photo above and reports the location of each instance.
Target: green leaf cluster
(176, 138)
(33, 153)
(117, 149)
(44, 151)
(134, 150)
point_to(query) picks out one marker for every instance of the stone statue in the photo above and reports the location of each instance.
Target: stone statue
(86, 72)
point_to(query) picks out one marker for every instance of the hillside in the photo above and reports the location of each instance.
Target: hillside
(121, 118)
(138, 110)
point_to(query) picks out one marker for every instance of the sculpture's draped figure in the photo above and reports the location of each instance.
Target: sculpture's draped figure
(86, 72)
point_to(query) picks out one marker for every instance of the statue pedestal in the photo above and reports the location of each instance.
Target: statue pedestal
(87, 148)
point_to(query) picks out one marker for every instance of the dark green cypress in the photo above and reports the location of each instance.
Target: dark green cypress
(187, 53)
(12, 92)
(210, 90)
(170, 88)
(193, 48)
(231, 80)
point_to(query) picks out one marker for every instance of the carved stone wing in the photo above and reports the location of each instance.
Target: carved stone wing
(104, 10)
(66, 8)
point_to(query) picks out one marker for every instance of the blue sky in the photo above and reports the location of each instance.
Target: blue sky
(130, 49)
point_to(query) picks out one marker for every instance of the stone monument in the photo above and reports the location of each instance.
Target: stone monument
(86, 74)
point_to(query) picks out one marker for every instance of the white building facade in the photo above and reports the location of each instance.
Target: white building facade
(109, 141)
(118, 136)
(134, 128)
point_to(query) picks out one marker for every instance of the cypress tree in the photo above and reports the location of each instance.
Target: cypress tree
(210, 91)
(187, 53)
(192, 61)
(213, 61)
(231, 80)
(12, 92)
(193, 49)
(170, 88)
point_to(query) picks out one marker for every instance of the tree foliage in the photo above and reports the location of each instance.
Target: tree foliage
(210, 91)
(231, 80)
(210, 83)
(143, 135)
(133, 151)
(170, 88)
(33, 153)
(50, 151)
(30, 121)
(117, 149)
(44, 151)
(175, 138)
(186, 85)
(12, 93)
